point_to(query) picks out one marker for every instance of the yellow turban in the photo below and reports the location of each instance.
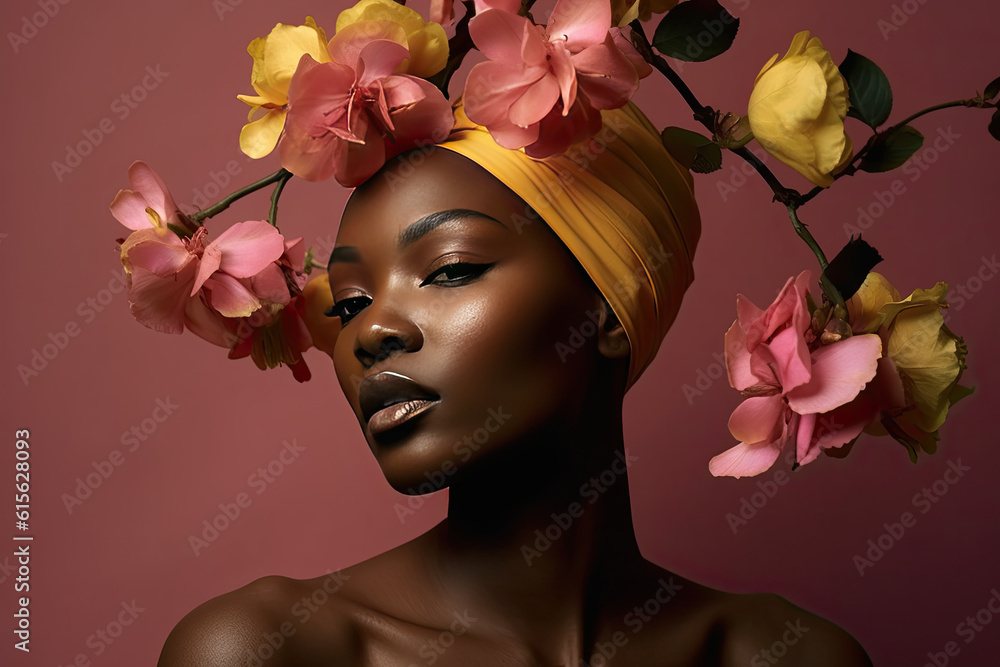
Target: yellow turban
(621, 205)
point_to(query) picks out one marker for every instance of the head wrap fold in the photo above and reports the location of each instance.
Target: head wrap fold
(622, 206)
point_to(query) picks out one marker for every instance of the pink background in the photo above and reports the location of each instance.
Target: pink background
(330, 507)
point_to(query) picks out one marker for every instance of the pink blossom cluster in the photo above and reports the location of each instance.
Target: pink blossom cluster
(240, 291)
(790, 378)
(543, 87)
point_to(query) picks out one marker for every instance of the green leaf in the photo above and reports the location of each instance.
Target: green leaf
(994, 127)
(696, 152)
(695, 31)
(902, 437)
(869, 90)
(842, 451)
(851, 266)
(892, 150)
(992, 90)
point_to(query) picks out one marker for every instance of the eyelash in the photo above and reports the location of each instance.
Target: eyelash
(473, 271)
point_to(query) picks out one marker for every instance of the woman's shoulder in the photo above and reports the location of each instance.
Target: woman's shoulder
(758, 629)
(274, 620)
(763, 628)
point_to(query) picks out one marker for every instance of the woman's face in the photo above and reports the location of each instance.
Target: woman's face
(442, 274)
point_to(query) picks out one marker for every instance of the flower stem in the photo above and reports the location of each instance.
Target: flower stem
(272, 216)
(458, 46)
(804, 234)
(706, 116)
(852, 168)
(219, 207)
(936, 107)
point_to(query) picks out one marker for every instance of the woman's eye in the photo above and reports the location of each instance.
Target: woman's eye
(457, 273)
(345, 309)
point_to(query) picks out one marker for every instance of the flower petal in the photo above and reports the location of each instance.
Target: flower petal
(229, 297)
(745, 460)
(758, 419)
(499, 36)
(248, 247)
(582, 24)
(259, 138)
(839, 372)
(159, 302)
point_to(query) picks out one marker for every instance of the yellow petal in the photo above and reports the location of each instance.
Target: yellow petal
(253, 100)
(929, 359)
(324, 330)
(428, 50)
(797, 109)
(258, 138)
(427, 42)
(863, 307)
(277, 55)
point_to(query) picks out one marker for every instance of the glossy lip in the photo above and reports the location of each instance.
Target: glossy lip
(400, 413)
(389, 399)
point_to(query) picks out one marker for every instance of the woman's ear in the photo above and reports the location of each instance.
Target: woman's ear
(611, 339)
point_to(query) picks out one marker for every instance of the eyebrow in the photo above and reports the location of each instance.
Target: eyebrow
(413, 232)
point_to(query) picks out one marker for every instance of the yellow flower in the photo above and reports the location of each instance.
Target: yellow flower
(426, 41)
(624, 12)
(318, 300)
(928, 356)
(275, 58)
(797, 110)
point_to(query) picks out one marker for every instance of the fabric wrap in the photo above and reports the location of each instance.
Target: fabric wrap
(620, 204)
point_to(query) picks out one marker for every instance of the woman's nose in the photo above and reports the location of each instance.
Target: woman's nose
(383, 332)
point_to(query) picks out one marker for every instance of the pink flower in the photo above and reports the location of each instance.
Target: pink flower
(273, 334)
(347, 117)
(791, 380)
(148, 203)
(280, 339)
(234, 273)
(543, 82)
(443, 11)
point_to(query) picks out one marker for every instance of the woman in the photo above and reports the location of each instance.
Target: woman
(494, 310)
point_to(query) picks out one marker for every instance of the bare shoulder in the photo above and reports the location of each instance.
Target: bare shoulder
(761, 629)
(274, 620)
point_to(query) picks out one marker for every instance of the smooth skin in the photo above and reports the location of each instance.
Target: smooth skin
(473, 310)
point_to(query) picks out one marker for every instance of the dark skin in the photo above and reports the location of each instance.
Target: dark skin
(537, 561)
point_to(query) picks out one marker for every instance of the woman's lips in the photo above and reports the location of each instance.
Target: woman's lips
(395, 415)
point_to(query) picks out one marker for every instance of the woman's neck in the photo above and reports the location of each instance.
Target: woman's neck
(542, 530)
